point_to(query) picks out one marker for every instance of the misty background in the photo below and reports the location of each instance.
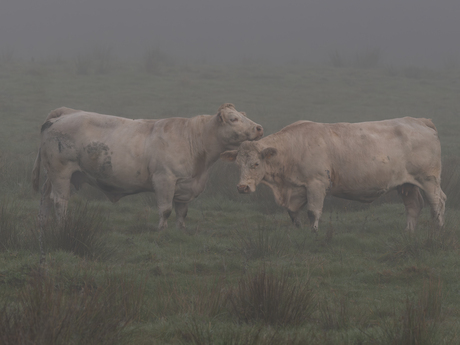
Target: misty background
(409, 32)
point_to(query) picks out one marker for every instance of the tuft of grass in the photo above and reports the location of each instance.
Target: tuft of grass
(426, 239)
(450, 180)
(419, 320)
(47, 313)
(9, 231)
(275, 299)
(81, 232)
(334, 315)
(198, 332)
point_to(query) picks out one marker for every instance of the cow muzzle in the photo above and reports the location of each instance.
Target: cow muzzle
(243, 188)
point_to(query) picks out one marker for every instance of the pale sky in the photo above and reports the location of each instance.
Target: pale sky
(406, 31)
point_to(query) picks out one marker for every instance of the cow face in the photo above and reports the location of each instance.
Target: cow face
(235, 127)
(252, 163)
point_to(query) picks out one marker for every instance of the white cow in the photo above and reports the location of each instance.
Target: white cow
(358, 161)
(120, 156)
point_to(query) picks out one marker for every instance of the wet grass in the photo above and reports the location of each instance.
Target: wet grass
(240, 273)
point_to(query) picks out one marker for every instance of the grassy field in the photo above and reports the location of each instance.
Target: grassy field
(240, 273)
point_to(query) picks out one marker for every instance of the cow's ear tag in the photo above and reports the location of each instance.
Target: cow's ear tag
(269, 152)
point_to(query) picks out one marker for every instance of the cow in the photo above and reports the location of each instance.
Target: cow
(305, 161)
(122, 156)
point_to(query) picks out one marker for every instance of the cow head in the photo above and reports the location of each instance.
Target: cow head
(252, 162)
(234, 127)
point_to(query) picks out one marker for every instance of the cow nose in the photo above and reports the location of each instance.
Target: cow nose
(259, 128)
(243, 188)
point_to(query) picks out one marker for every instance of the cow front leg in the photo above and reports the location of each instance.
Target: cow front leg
(296, 200)
(181, 212)
(164, 189)
(316, 193)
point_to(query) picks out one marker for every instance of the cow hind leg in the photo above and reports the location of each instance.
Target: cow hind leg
(164, 190)
(60, 194)
(295, 218)
(436, 198)
(46, 204)
(413, 201)
(181, 212)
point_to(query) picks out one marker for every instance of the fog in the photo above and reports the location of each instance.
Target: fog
(415, 32)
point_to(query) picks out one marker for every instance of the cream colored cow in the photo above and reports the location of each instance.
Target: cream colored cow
(120, 156)
(358, 161)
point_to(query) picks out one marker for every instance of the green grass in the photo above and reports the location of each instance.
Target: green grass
(240, 273)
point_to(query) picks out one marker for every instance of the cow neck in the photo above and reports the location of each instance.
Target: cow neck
(206, 144)
(276, 167)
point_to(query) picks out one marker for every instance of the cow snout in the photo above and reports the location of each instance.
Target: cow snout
(243, 188)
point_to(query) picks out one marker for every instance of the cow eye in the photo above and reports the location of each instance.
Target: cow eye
(234, 119)
(255, 165)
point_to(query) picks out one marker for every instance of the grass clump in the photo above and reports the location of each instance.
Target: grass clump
(419, 320)
(47, 312)
(274, 299)
(9, 231)
(82, 232)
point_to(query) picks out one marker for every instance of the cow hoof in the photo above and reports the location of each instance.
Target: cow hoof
(181, 227)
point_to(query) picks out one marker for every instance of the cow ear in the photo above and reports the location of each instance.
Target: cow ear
(221, 117)
(243, 113)
(229, 156)
(268, 152)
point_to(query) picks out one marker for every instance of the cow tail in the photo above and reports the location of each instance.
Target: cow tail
(36, 172)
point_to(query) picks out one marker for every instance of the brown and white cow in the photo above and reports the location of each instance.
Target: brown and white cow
(358, 161)
(121, 156)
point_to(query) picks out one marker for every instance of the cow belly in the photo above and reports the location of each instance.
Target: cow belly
(367, 195)
(110, 185)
